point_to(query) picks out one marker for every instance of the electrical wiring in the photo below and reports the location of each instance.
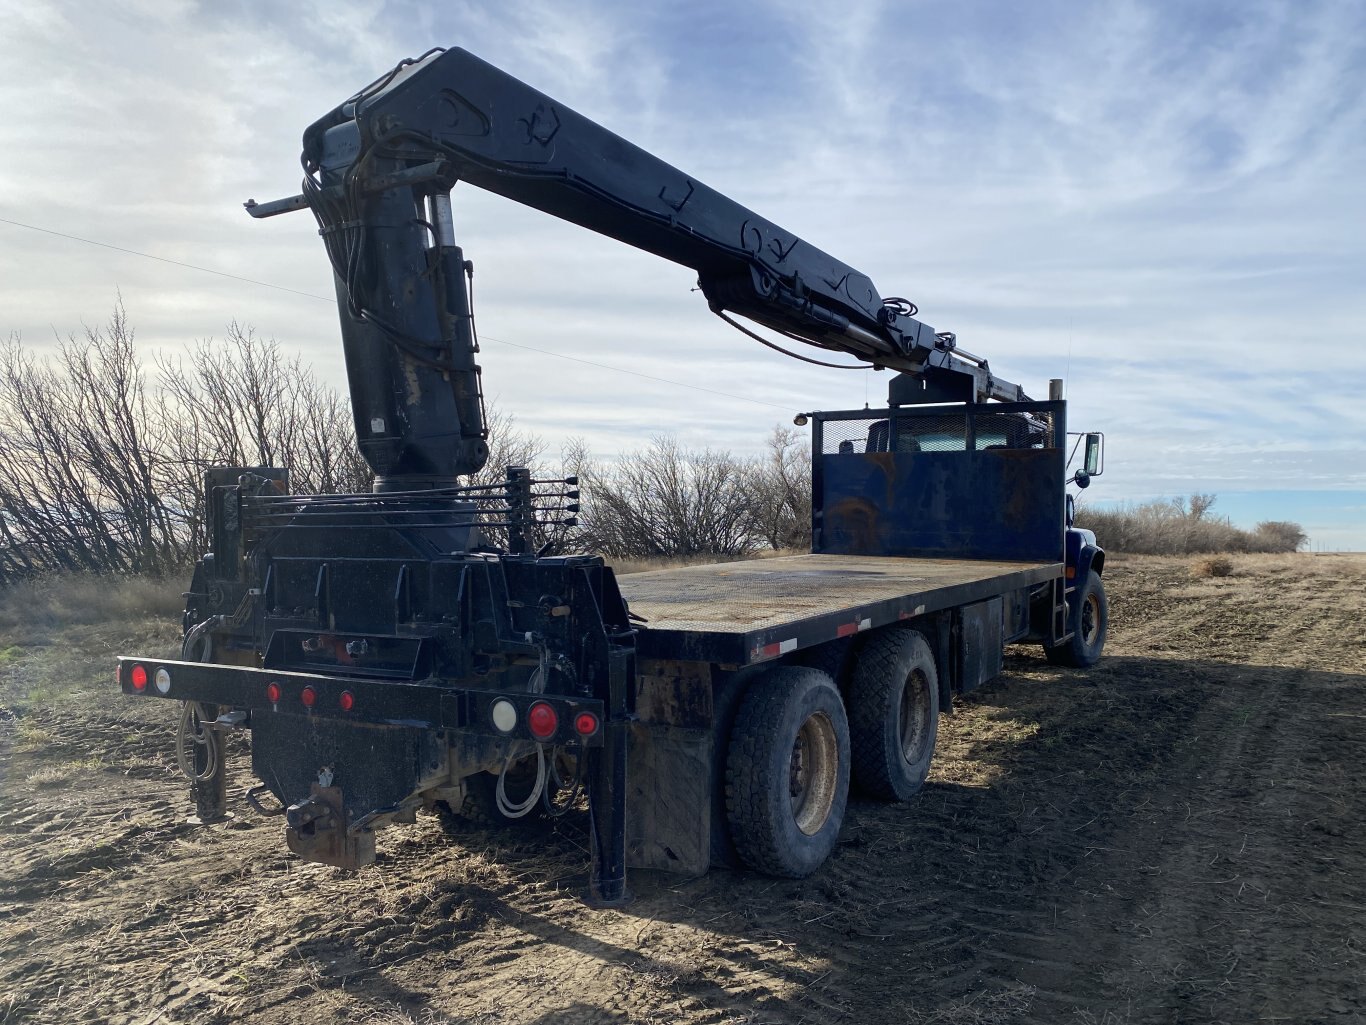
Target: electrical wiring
(193, 715)
(535, 685)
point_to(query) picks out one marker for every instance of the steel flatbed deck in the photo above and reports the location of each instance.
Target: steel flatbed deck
(738, 613)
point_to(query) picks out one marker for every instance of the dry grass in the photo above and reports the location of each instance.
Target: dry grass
(59, 636)
(33, 611)
(398, 1016)
(62, 773)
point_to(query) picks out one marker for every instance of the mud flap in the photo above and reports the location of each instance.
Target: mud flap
(669, 799)
(317, 831)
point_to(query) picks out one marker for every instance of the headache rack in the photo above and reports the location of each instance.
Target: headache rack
(966, 481)
(521, 514)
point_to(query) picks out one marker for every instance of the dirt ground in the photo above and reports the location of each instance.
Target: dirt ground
(1173, 836)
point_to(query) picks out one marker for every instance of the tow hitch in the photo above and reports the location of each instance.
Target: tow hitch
(317, 831)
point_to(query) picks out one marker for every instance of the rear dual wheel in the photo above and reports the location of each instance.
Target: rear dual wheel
(793, 750)
(893, 713)
(787, 772)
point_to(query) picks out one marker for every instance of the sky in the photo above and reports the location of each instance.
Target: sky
(1161, 203)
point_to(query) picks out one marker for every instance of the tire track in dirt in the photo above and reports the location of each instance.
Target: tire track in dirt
(1211, 843)
(1193, 919)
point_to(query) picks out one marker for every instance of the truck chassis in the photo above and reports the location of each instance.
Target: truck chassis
(386, 661)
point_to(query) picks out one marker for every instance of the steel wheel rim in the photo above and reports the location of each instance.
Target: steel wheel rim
(813, 772)
(1090, 619)
(913, 717)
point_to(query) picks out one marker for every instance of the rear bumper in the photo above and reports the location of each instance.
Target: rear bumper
(418, 705)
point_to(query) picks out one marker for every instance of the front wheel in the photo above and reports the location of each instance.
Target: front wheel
(787, 772)
(1090, 622)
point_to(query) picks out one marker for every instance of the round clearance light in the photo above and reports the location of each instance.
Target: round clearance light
(138, 678)
(542, 721)
(309, 697)
(585, 724)
(273, 692)
(504, 715)
(162, 679)
(347, 701)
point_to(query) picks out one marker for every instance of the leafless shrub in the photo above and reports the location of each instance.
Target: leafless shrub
(100, 472)
(80, 461)
(670, 501)
(1184, 527)
(781, 490)
(1278, 536)
(244, 403)
(1212, 566)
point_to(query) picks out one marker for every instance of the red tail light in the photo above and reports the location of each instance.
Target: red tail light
(309, 697)
(542, 721)
(138, 678)
(347, 701)
(273, 693)
(585, 724)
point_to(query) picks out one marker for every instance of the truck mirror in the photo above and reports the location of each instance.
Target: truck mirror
(1081, 479)
(1093, 463)
(1071, 510)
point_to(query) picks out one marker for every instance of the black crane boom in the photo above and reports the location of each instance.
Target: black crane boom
(379, 171)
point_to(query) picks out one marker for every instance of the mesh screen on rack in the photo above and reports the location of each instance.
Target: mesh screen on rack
(935, 433)
(845, 436)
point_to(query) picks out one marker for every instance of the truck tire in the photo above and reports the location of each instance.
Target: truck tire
(787, 772)
(1089, 626)
(893, 713)
(831, 658)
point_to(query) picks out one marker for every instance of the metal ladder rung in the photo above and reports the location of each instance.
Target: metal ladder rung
(1060, 611)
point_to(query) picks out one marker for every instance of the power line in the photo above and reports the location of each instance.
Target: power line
(333, 301)
(163, 259)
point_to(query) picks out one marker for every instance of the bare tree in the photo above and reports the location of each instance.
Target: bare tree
(79, 458)
(1278, 536)
(1199, 505)
(244, 403)
(1166, 527)
(99, 472)
(781, 490)
(667, 501)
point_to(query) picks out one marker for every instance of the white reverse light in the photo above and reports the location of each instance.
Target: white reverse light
(162, 681)
(504, 715)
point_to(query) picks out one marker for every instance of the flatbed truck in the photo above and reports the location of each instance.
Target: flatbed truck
(422, 647)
